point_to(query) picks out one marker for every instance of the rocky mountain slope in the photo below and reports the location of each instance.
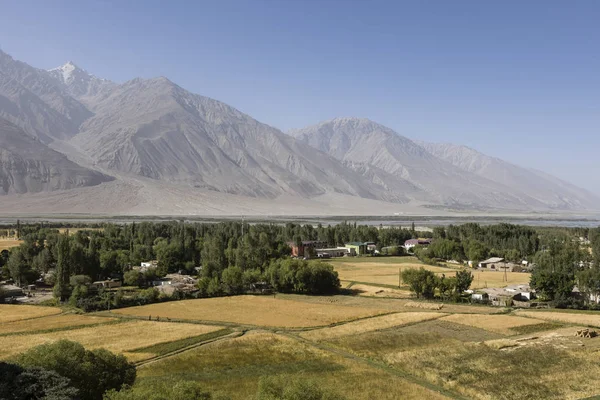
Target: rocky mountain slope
(29, 166)
(158, 130)
(167, 147)
(555, 193)
(364, 144)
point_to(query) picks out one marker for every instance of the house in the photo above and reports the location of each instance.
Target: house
(371, 247)
(162, 282)
(504, 297)
(480, 297)
(409, 244)
(145, 266)
(304, 248)
(107, 284)
(11, 291)
(335, 252)
(359, 248)
(492, 263)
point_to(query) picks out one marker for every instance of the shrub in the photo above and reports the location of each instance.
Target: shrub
(91, 372)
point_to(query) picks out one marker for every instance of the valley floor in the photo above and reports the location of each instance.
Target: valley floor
(362, 347)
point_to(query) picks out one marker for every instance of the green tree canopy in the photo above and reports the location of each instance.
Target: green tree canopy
(92, 372)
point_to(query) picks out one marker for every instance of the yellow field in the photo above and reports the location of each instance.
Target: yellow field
(578, 319)
(494, 323)
(370, 325)
(51, 322)
(9, 313)
(490, 279)
(253, 310)
(376, 291)
(118, 338)
(245, 359)
(6, 244)
(387, 273)
(379, 272)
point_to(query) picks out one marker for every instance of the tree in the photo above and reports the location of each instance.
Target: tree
(463, 281)
(63, 270)
(557, 285)
(282, 388)
(421, 281)
(232, 280)
(19, 268)
(446, 285)
(18, 383)
(476, 251)
(133, 278)
(91, 372)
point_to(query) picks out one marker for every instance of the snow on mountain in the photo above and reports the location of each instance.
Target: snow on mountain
(80, 84)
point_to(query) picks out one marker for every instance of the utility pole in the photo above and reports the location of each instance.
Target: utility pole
(399, 277)
(242, 226)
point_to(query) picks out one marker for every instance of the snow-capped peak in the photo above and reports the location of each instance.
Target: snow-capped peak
(67, 71)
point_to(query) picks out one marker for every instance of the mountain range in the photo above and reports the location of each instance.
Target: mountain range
(73, 142)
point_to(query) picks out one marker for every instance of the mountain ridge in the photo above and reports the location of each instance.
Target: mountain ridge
(155, 133)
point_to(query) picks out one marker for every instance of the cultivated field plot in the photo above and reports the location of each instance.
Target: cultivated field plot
(384, 272)
(370, 324)
(377, 291)
(491, 279)
(244, 360)
(53, 322)
(478, 371)
(9, 312)
(254, 310)
(450, 330)
(118, 338)
(569, 318)
(502, 324)
(7, 244)
(389, 304)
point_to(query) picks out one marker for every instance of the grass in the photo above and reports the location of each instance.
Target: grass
(478, 371)
(370, 324)
(234, 367)
(528, 329)
(450, 330)
(254, 310)
(502, 324)
(489, 279)
(569, 318)
(51, 323)
(118, 338)
(10, 312)
(161, 349)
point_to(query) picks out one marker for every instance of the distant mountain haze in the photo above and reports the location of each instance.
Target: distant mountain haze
(148, 134)
(453, 175)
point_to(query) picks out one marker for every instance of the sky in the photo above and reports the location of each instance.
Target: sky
(519, 80)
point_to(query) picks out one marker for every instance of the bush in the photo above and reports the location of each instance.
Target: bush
(18, 383)
(91, 372)
(281, 388)
(183, 390)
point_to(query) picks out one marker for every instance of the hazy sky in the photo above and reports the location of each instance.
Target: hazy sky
(515, 79)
